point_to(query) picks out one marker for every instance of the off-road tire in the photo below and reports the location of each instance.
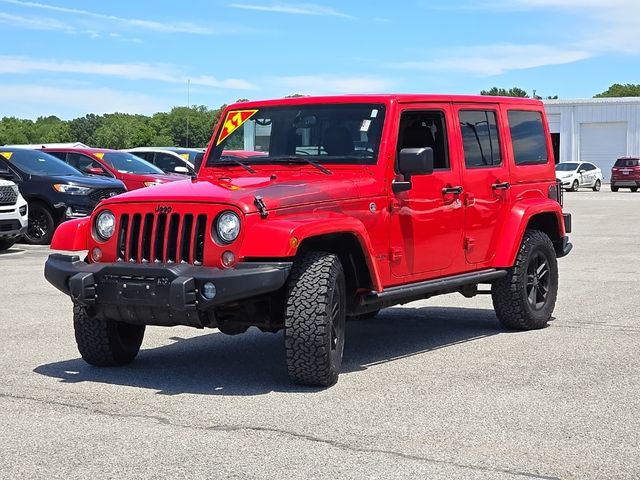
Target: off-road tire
(314, 319)
(6, 244)
(597, 186)
(575, 185)
(614, 189)
(509, 293)
(105, 343)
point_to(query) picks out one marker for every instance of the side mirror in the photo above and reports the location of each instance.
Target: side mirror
(413, 161)
(181, 170)
(95, 171)
(582, 170)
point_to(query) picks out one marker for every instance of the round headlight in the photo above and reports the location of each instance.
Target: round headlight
(105, 224)
(228, 227)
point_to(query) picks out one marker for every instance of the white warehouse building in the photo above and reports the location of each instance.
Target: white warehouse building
(597, 130)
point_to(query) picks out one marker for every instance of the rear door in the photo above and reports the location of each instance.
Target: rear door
(426, 221)
(485, 180)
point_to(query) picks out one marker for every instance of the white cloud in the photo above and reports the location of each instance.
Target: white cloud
(31, 101)
(35, 23)
(495, 59)
(295, 9)
(150, 25)
(330, 84)
(131, 71)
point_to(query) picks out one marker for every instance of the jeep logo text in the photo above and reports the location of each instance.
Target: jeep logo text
(163, 209)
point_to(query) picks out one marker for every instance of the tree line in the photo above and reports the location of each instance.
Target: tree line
(179, 127)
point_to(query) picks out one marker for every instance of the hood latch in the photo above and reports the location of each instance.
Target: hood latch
(262, 208)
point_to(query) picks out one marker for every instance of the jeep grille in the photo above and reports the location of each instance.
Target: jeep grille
(162, 238)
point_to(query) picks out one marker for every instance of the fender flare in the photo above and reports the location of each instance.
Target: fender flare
(273, 239)
(515, 225)
(72, 235)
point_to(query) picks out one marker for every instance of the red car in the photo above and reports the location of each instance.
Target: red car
(133, 171)
(356, 203)
(626, 174)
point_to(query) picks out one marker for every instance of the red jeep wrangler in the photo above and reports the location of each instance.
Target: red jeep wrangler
(354, 204)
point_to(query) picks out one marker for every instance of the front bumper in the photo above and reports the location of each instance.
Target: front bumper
(160, 294)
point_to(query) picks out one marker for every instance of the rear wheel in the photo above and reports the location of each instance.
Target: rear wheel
(614, 188)
(597, 186)
(105, 343)
(315, 319)
(41, 224)
(634, 189)
(574, 186)
(525, 298)
(6, 244)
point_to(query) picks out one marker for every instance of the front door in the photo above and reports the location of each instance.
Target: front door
(485, 181)
(427, 220)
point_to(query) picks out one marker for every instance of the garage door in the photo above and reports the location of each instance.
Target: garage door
(602, 144)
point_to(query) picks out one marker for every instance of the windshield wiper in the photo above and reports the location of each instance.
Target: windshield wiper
(228, 160)
(296, 159)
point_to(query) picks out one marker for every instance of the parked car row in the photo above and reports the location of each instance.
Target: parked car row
(41, 188)
(624, 174)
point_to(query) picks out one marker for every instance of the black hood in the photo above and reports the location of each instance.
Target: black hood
(82, 181)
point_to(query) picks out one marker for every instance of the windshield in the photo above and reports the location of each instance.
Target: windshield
(567, 167)
(337, 134)
(35, 162)
(127, 163)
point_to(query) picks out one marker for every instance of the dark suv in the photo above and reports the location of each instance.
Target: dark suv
(54, 190)
(626, 174)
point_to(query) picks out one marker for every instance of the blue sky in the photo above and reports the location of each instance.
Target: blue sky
(68, 58)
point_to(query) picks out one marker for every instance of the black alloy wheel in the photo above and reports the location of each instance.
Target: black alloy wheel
(538, 280)
(41, 225)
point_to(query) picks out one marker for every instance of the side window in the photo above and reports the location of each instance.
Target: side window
(480, 138)
(81, 162)
(588, 167)
(61, 155)
(527, 137)
(166, 162)
(425, 128)
(148, 156)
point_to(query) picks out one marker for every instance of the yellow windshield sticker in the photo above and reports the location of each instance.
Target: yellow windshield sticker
(185, 156)
(6, 155)
(233, 121)
(99, 155)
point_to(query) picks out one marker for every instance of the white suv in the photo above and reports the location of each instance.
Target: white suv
(13, 214)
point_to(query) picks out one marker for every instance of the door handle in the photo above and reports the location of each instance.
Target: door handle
(452, 190)
(501, 186)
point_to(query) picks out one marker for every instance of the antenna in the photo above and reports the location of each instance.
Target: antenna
(188, 107)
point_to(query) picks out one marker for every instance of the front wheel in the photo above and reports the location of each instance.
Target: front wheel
(597, 186)
(315, 313)
(525, 298)
(105, 343)
(41, 225)
(574, 186)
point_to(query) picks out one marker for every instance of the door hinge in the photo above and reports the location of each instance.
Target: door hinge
(469, 243)
(262, 208)
(395, 254)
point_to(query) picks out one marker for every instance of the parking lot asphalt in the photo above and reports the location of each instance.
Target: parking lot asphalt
(432, 389)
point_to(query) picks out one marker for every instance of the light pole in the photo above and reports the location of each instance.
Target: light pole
(188, 107)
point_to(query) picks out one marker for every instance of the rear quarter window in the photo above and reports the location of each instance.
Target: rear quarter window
(528, 139)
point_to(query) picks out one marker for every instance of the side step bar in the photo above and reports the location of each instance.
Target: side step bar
(370, 302)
